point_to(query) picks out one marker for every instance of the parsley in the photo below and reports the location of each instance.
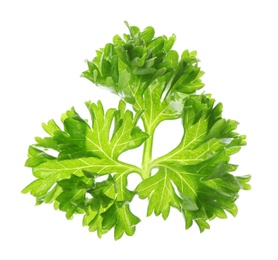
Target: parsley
(195, 177)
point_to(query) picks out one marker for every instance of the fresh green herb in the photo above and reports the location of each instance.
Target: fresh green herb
(195, 177)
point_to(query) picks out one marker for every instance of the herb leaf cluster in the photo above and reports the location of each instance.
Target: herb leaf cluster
(158, 84)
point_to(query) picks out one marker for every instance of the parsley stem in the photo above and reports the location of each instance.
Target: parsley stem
(147, 153)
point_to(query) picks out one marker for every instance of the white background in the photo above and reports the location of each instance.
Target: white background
(42, 51)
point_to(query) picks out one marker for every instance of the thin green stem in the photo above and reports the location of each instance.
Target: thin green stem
(147, 153)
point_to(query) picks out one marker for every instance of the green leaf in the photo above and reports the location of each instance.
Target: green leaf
(85, 152)
(137, 59)
(120, 217)
(147, 34)
(195, 177)
(161, 192)
(72, 199)
(109, 210)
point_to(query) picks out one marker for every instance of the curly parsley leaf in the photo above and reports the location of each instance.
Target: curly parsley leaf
(195, 177)
(83, 153)
(78, 169)
(147, 73)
